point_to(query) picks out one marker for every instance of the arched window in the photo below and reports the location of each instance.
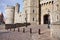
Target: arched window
(52, 2)
(33, 19)
(49, 2)
(33, 10)
(44, 3)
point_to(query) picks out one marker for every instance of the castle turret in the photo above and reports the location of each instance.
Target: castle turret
(17, 7)
(10, 10)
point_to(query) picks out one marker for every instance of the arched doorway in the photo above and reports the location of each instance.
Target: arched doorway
(46, 18)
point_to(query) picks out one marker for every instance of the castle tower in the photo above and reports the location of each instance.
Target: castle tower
(17, 8)
(10, 14)
(16, 12)
(31, 8)
(51, 8)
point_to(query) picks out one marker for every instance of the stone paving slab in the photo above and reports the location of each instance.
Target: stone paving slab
(15, 35)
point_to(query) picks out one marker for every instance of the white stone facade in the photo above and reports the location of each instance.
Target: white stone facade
(9, 15)
(32, 11)
(13, 15)
(52, 6)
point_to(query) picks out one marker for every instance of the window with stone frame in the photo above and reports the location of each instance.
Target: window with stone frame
(52, 2)
(57, 17)
(33, 19)
(49, 2)
(33, 10)
(25, 19)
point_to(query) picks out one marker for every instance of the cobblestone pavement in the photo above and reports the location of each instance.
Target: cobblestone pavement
(15, 35)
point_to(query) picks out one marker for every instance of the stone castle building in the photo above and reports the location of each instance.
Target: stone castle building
(31, 9)
(51, 8)
(34, 11)
(13, 15)
(9, 14)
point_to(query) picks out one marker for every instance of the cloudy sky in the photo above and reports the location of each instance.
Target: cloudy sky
(4, 3)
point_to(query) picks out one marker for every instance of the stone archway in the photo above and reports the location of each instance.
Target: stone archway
(45, 17)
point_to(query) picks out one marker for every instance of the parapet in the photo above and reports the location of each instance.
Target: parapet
(10, 7)
(45, 1)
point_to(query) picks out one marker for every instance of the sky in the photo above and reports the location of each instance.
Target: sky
(4, 3)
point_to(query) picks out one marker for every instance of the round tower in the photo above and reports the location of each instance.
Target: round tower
(16, 12)
(10, 10)
(17, 8)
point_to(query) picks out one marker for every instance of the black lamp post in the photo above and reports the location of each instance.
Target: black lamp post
(48, 19)
(26, 18)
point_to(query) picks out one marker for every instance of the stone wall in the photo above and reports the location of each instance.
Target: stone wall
(52, 6)
(31, 7)
(9, 14)
(55, 31)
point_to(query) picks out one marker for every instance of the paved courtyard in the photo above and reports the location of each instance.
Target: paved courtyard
(15, 35)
